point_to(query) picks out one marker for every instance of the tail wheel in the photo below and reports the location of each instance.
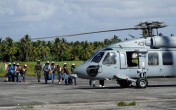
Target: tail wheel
(142, 83)
(124, 83)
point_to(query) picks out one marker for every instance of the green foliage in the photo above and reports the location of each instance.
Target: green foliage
(2, 71)
(59, 49)
(126, 104)
(132, 104)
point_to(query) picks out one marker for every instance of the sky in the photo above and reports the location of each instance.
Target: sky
(47, 18)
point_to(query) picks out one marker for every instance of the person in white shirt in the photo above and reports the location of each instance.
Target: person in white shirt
(47, 70)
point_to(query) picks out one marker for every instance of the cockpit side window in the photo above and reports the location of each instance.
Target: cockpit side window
(98, 57)
(110, 58)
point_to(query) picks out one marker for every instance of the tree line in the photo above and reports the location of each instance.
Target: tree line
(58, 49)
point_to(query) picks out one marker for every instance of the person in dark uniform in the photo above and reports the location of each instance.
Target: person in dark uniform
(101, 83)
(37, 70)
(9, 74)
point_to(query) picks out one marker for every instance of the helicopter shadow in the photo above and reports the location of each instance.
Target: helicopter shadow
(133, 87)
(108, 87)
(166, 85)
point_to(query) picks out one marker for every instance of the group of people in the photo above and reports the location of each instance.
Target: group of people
(50, 70)
(15, 72)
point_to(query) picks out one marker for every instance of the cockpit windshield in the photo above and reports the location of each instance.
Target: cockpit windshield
(110, 58)
(98, 57)
(93, 55)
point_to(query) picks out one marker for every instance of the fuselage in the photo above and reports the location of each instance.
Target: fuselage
(154, 56)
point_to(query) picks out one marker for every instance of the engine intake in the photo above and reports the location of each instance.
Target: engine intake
(163, 41)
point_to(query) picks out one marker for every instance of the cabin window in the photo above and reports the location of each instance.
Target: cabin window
(153, 59)
(110, 58)
(98, 57)
(167, 58)
(132, 59)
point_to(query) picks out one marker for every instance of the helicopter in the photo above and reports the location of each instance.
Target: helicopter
(132, 61)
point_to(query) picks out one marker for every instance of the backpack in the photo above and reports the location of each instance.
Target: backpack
(23, 70)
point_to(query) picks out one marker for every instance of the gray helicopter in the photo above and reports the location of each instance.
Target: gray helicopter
(133, 61)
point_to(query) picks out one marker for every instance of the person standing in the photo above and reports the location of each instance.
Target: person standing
(8, 71)
(12, 72)
(5, 66)
(53, 70)
(65, 72)
(101, 82)
(73, 74)
(37, 70)
(46, 69)
(92, 82)
(59, 69)
(17, 72)
(23, 72)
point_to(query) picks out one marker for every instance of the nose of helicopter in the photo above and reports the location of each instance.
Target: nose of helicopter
(81, 71)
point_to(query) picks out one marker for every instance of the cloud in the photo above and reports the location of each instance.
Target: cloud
(52, 17)
(132, 9)
(35, 10)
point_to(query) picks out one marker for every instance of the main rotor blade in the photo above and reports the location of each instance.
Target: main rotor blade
(69, 35)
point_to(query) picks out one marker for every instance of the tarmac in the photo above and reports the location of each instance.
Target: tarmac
(31, 95)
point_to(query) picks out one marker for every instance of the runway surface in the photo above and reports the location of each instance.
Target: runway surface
(31, 95)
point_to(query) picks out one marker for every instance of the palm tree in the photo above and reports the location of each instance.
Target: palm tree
(85, 54)
(50, 45)
(60, 46)
(25, 47)
(76, 51)
(41, 50)
(8, 49)
(44, 50)
(12, 52)
(86, 50)
(35, 54)
(56, 47)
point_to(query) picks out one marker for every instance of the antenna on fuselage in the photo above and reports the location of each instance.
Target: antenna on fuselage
(131, 36)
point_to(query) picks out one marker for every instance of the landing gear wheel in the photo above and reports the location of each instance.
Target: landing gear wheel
(124, 83)
(142, 83)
